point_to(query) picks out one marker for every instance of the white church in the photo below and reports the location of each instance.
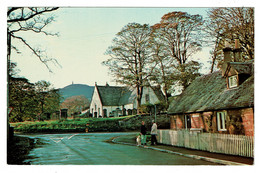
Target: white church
(113, 101)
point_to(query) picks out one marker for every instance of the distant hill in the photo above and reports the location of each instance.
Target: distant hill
(77, 89)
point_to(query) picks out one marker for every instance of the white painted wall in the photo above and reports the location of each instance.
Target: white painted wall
(152, 97)
(96, 104)
(96, 101)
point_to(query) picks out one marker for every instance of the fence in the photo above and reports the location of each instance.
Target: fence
(213, 142)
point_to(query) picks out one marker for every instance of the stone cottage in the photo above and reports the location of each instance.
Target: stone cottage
(113, 101)
(220, 102)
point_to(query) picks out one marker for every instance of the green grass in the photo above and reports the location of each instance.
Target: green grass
(71, 125)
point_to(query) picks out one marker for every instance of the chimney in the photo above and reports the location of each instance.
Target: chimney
(227, 52)
(237, 51)
(227, 58)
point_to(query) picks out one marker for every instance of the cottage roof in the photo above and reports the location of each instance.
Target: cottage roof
(241, 67)
(209, 92)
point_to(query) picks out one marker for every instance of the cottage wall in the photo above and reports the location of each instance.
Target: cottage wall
(177, 122)
(248, 121)
(238, 121)
(197, 121)
(96, 105)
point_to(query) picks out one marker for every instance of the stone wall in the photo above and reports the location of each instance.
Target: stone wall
(238, 121)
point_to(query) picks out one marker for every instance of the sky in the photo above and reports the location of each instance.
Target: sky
(84, 36)
(85, 33)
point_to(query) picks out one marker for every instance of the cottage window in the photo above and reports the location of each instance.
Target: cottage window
(147, 99)
(187, 122)
(221, 120)
(232, 81)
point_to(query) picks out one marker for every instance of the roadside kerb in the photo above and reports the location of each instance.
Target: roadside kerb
(219, 161)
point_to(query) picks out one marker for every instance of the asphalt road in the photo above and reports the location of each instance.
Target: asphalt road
(92, 149)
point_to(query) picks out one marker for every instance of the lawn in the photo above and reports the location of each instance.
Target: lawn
(71, 125)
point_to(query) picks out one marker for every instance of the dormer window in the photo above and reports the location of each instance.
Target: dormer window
(232, 81)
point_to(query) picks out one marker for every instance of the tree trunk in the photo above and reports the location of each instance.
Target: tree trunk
(213, 63)
(139, 90)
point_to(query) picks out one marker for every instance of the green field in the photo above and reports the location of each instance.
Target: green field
(72, 125)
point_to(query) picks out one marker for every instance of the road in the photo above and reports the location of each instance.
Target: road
(92, 149)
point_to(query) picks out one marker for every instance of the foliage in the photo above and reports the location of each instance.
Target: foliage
(128, 123)
(47, 97)
(161, 106)
(146, 108)
(75, 104)
(235, 123)
(31, 100)
(75, 125)
(22, 98)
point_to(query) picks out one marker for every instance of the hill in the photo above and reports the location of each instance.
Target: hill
(76, 90)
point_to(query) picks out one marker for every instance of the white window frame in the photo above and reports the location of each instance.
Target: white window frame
(221, 121)
(232, 81)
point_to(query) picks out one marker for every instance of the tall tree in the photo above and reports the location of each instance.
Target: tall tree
(162, 74)
(22, 98)
(131, 63)
(49, 99)
(31, 19)
(31, 100)
(180, 35)
(229, 24)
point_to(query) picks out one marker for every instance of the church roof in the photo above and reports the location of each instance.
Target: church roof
(113, 95)
(119, 95)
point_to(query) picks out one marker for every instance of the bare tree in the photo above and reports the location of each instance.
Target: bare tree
(31, 19)
(130, 62)
(215, 40)
(179, 33)
(229, 24)
(162, 74)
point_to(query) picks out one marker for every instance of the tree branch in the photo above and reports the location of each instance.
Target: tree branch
(22, 18)
(37, 53)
